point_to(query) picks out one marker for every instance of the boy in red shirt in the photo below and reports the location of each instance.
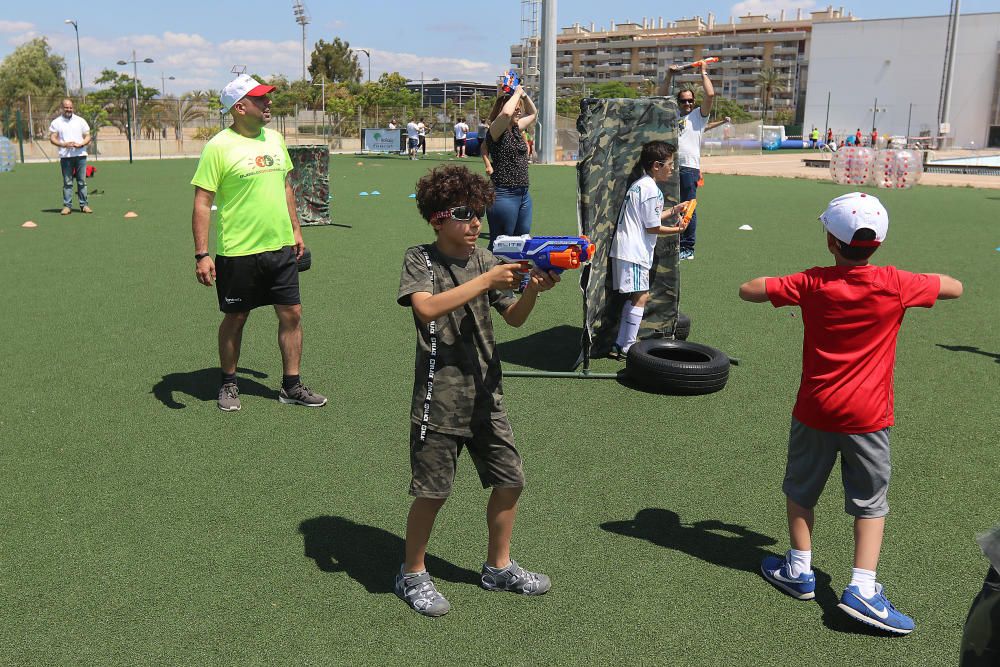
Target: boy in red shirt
(851, 313)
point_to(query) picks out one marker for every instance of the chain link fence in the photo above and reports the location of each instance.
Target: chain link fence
(168, 128)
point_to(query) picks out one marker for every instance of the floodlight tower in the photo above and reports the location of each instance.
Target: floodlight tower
(530, 14)
(302, 18)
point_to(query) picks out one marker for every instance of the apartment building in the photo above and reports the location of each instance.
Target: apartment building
(640, 52)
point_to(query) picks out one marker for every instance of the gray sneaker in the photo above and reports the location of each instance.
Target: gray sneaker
(229, 397)
(418, 591)
(301, 395)
(515, 579)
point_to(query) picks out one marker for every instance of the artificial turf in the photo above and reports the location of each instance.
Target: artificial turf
(142, 525)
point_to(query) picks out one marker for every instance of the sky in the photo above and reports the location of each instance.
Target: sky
(199, 42)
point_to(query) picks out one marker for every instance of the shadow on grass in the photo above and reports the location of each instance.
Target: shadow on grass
(369, 555)
(969, 348)
(555, 349)
(203, 385)
(733, 546)
(724, 544)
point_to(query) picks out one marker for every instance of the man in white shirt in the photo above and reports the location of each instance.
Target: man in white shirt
(690, 128)
(72, 135)
(461, 129)
(412, 138)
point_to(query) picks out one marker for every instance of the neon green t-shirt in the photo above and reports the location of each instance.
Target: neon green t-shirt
(248, 179)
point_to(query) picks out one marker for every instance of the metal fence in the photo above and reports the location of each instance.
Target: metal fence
(167, 128)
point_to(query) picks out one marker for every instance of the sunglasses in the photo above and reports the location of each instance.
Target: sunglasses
(460, 213)
(691, 101)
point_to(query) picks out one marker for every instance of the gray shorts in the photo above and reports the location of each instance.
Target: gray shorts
(864, 467)
(434, 459)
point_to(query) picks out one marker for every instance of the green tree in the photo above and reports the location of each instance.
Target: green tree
(291, 94)
(724, 106)
(336, 61)
(31, 69)
(613, 89)
(568, 105)
(114, 97)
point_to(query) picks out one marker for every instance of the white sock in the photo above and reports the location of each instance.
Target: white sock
(623, 325)
(864, 580)
(632, 322)
(799, 562)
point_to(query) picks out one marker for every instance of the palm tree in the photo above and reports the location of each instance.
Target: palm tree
(769, 82)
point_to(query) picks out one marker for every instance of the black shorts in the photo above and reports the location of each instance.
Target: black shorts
(459, 143)
(250, 281)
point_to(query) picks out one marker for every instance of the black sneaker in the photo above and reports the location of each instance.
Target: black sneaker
(229, 397)
(301, 395)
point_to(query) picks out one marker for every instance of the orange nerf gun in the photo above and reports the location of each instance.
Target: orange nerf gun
(700, 63)
(689, 211)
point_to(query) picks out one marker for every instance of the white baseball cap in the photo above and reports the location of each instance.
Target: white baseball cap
(848, 213)
(242, 86)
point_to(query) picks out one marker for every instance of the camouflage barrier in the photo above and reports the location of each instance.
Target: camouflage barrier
(612, 133)
(981, 636)
(311, 183)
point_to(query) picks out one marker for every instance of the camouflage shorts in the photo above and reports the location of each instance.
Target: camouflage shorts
(434, 460)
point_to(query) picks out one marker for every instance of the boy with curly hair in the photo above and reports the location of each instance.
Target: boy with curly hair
(851, 313)
(451, 285)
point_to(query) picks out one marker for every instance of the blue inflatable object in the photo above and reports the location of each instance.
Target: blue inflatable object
(472, 144)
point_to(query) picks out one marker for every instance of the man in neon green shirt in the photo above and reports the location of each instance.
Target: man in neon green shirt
(244, 170)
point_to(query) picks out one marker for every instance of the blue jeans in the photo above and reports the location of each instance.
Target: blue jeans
(70, 165)
(510, 214)
(689, 191)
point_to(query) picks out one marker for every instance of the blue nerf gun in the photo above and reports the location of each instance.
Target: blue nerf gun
(545, 253)
(510, 81)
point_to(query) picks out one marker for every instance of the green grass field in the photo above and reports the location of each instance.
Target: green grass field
(139, 524)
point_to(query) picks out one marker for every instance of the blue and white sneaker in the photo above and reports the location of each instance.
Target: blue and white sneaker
(775, 570)
(876, 611)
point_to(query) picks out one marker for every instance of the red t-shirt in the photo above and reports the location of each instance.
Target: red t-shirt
(851, 316)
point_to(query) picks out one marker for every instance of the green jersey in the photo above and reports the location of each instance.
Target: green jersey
(248, 179)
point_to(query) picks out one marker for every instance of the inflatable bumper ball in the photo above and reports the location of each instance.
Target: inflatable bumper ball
(898, 168)
(853, 165)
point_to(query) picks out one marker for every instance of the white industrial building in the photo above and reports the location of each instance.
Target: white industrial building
(888, 72)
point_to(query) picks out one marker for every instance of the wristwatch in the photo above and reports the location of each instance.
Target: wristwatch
(200, 256)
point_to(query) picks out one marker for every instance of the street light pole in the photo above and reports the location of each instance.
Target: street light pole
(135, 84)
(79, 64)
(369, 55)
(163, 85)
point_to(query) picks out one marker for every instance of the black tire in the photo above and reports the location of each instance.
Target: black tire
(677, 367)
(306, 261)
(683, 327)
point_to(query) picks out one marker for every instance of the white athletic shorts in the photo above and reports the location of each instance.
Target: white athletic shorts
(628, 277)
